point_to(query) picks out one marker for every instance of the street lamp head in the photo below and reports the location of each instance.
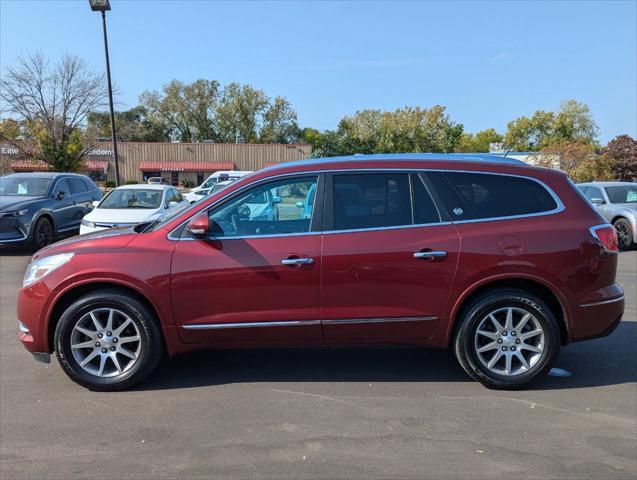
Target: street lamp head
(100, 5)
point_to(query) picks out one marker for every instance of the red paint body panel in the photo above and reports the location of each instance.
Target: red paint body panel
(355, 275)
(373, 274)
(243, 281)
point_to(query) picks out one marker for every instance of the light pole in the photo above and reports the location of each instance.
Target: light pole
(102, 6)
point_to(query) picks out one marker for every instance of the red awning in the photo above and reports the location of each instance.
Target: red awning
(29, 166)
(184, 166)
(96, 165)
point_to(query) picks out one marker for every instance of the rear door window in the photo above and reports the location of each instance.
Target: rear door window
(77, 185)
(483, 195)
(371, 201)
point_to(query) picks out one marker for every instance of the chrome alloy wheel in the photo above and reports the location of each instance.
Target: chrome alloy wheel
(509, 341)
(106, 342)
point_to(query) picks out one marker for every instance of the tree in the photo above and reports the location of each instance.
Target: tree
(134, 125)
(572, 123)
(409, 129)
(187, 110)
(53, 101)
(480, 142)
(9, 129)
(279, 125)
(240, 113)
(622, 151)
(578, 159)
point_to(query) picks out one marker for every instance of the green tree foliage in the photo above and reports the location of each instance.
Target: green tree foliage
(134, 125)
(622, 151)
(479, 142)
(52, 101)
(578, 158)
(186, 110)
(240, 113)
(279, 123)
(9, 129)
(409, 129)
(572, 123)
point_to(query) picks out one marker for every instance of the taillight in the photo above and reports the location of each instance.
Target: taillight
(606, 236)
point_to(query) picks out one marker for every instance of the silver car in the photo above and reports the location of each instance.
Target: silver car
(617, 203)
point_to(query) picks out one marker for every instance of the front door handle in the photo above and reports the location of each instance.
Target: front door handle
(430, 255)
(293, 262)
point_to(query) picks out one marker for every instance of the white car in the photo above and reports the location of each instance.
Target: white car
(212, 180)
(132, 204)
(193, 197)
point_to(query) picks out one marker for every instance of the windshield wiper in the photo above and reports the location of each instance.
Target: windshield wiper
(145, 226)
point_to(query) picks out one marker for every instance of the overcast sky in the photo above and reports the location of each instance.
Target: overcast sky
(488, 62)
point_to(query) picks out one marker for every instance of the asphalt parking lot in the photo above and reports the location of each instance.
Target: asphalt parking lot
(321, 413)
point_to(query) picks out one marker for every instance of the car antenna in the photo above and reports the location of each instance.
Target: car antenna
(508, 150)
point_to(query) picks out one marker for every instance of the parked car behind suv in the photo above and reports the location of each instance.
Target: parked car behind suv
(617, 203)
(502, 262)
(130, 205)
(35, 208)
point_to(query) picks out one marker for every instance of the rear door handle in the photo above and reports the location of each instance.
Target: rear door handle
(297, 261)
(430, 255)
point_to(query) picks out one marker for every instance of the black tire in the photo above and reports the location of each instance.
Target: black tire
(43, 233)
(625, 234)
(465, 344)
(150, 346)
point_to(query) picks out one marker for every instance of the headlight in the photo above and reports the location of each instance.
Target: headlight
(14, 213)
(43, 266)
(88, 223)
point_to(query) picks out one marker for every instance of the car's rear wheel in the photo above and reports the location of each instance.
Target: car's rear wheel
(108, 340)
(624, 233)
(43, 233)
(507, 338)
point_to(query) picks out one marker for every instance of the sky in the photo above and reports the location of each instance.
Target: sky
(487, 62)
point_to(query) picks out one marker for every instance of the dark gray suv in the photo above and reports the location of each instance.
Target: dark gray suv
(35, 208)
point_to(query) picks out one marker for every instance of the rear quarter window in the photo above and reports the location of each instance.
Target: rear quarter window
(482, 195)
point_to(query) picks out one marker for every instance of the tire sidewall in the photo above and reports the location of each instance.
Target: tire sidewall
(150, 343)
(36, 240)
(465, 340)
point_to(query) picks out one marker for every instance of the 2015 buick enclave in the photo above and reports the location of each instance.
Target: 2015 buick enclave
(498, 260)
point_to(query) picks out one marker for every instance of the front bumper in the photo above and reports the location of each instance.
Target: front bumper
(12, 230)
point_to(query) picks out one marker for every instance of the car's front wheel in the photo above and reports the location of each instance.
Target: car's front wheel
(507, 338)
(624, 233)
(43, 233)
(108, 340)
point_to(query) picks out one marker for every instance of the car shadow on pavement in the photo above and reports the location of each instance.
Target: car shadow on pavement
(608, 361)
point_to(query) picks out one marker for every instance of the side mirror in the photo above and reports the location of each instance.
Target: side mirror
(276, 200)
(597, 201)
(299, 204)
(96, 203)
(60, 195)
(199, 225)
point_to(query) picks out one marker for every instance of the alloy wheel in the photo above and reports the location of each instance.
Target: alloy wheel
(622, 234)
(44, 233)
(106, 342)
(509, 341)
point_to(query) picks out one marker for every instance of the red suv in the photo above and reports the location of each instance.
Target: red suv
(501, 261)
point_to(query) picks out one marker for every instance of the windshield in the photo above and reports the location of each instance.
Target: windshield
(132, 198)
(622, 194)
(24, 186)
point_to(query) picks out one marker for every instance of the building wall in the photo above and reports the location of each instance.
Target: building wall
(243, 156)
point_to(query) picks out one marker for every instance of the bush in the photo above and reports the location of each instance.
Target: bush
(187, 183)
(131, 182)
(109, 184)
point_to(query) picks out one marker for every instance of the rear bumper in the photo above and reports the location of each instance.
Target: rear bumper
(598, 319)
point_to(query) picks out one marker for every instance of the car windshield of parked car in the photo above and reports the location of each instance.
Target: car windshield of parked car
(24, 186)
(132, 198)
(622, 194)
